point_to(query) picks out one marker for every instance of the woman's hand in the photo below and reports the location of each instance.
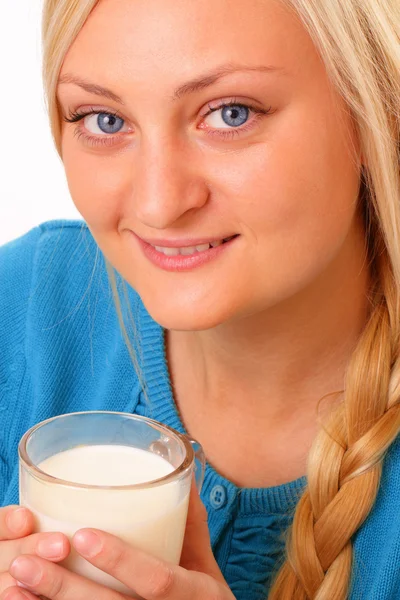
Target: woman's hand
(198, 577)
(16, 526)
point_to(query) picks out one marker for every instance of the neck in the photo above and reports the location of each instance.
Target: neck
(285, 359)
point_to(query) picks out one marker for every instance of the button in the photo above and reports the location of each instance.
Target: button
(218, 497)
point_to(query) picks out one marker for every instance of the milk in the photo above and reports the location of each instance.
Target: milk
(152, 519)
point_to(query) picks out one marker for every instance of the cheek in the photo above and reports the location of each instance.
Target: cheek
(295, 197)
(301, 177)
(97, 185)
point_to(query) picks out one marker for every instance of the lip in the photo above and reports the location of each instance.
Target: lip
(180, 262)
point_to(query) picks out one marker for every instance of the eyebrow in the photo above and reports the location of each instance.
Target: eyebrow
(189, 87)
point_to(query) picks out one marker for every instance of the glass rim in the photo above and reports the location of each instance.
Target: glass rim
(34, 470)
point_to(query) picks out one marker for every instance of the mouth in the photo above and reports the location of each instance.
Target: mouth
(190, 250)
(174, 255)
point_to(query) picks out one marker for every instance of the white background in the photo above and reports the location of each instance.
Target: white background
(33, 186)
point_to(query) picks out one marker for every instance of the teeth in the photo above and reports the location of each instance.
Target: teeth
(168, 251)
(188, 250)
(203, 247)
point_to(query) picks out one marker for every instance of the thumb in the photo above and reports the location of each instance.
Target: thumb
(197, 553)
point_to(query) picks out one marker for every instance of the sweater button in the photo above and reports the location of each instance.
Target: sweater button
(218, 497)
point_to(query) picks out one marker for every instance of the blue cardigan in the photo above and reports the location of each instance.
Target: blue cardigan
(61, 350)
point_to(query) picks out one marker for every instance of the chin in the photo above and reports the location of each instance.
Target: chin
(189, 318)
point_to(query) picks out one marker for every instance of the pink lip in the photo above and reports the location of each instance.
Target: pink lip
(181, 263)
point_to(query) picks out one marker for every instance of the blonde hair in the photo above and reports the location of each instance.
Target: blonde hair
(359, 43)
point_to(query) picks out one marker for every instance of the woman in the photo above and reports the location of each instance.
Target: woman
(238, 165)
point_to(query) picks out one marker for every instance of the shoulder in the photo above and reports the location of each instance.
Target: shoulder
(31, 268)
(50, 232)
(16, 263)
(18, 256)
(40, 254)
(57, 311)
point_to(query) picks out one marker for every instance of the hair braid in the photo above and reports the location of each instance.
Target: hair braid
(345, 462)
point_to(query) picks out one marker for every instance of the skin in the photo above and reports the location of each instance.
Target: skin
(258, 336)
(16, 538)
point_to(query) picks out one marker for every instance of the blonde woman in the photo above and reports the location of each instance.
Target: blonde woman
(237, 166)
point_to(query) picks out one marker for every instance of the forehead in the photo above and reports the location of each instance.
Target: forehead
(174, 39)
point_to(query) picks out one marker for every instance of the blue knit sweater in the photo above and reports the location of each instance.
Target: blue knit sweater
(61, 350)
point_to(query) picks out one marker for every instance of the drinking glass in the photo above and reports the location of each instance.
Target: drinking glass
(150, 515)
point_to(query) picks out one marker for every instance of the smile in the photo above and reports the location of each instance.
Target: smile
(189, 250)
(177, 257)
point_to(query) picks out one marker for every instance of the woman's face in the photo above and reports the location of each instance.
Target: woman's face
(172, 167)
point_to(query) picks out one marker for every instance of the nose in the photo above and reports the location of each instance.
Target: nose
(168, 183)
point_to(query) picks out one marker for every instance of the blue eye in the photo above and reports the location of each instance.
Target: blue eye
(235, 115)
(97, 122)
(106, 122)
(230, 116)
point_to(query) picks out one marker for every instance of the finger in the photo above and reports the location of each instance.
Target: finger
(197, 554)
(150, 577)
(6, 581)
(52, 546)
(15, 593)
(52, 581)
(15, 522)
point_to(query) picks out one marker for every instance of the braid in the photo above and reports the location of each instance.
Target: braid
(345, 461)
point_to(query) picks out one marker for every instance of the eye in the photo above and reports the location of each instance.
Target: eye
(99, 123)
(106, 128)
(231, 118)
(227, 116)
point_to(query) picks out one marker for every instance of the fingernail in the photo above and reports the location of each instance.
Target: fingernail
(16, 519)
(26, 570)
(87, 543)
(51, 547)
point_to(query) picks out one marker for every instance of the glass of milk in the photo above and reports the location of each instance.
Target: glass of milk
(122, 473)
